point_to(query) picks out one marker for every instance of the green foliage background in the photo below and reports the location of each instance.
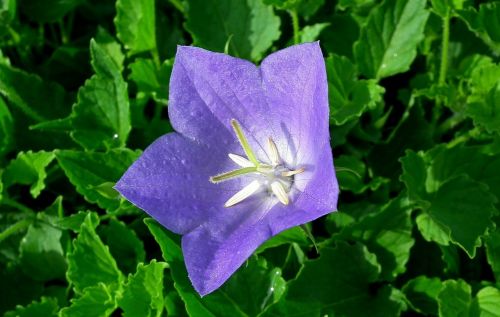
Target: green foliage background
(415, 122)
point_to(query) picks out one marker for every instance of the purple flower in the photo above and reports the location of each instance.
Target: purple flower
(251, 156)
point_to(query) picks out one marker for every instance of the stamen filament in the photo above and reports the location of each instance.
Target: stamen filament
(244, 142)
(280, 192)
(294, 172)
(273, 152)
(232, 174)
(243, 194)
(240, 160)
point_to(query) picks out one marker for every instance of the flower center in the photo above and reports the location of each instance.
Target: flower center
(275, 178)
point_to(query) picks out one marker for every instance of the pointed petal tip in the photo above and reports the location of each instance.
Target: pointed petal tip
(202, 287)
(119, 186)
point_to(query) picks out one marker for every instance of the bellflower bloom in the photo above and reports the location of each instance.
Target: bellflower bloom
(251, 156)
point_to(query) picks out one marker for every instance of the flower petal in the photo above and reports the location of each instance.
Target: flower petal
(208, 90)
(213, 252)
(216, 249)
(285, 99)
(294, 83)
(170, 181)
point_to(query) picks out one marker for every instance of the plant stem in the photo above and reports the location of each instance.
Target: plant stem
(156, 57)
(295, 25)
(18, 226)
(64, 35)
(178, 5)
(444, 49)
(15, 204)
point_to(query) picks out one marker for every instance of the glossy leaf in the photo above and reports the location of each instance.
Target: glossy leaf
(91, 263)
(388, 41)
(343, 275)
(249, 26)
(135, 25)
(29, 168)
(87, 170)
(143, 293)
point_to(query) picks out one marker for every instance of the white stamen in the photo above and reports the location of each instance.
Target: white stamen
(291, 173)
(280, 192)
(273, 152)
(243, 194)
(240, 160)
(269, 178)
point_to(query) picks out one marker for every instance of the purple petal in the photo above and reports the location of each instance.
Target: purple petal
(294, 83)
(213, 253)
(170, 181)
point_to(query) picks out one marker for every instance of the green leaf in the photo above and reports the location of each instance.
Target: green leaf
(414, 175)
(441, 7)
(484, 84)
(412, 132)
(454, 300)
(8, 9)
(342, 278)
(1, 185)
(432, 230)
(6, 128)
(268, 286)
(336, 40)
(488, 299)
(43, 101)
(388, 234)
(41, 252)
(143, 293)
(135, 25)
(252, 25)
(90, 261)
(351, 173)
(25, 291)
(485, 111)
(446, 164)
(49, 10)
(74, 222)
(484, 23)
(110, 46)
(310, 33)
(96, 301)
(124, 245)
(336, 221)
(492, 243)
(46, 307)
(349, 97)
(388, 41)
(422, 293)
(101, 116)
(444, 182)
(28, 169)
(304, 7)
(149, 79)
(465, 207)
(87, 170)
(231, 299)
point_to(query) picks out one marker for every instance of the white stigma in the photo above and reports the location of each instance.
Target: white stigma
(274, 179)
